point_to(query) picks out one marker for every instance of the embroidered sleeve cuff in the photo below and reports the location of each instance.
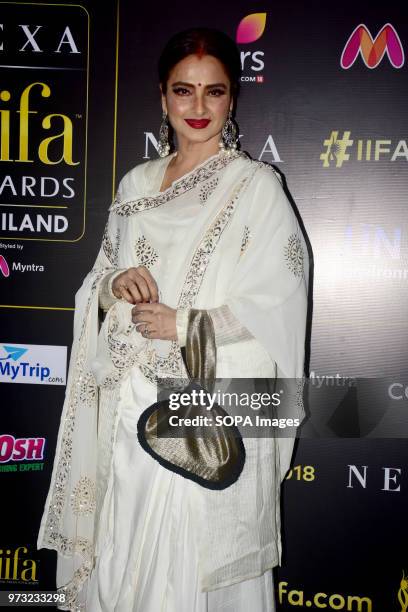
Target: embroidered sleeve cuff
(228, 329)
(181, 325)
(106, 296)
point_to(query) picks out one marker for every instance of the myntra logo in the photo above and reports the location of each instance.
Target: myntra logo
(250, 29)
(372, 51)
(4, 268)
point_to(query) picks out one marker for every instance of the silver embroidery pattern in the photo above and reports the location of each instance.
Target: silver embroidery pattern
(88, 389)
(205, 249)
(83, 497)
(172, 364)
(111, 252)
(153, 366)
(123, 355)
(294, 255)
(266, 165)
(71, 590)
(207, 188)
(245, 239)
(145, 253)
(83, 394)
(201, 174)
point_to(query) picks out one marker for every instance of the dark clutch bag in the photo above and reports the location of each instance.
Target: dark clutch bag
(214, 455)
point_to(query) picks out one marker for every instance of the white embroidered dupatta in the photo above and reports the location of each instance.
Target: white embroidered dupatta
(235, 240)
(67, 525)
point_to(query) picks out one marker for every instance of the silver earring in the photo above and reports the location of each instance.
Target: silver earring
(163, 144)
(229, 136)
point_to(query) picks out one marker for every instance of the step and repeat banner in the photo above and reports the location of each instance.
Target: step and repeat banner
(323, 99)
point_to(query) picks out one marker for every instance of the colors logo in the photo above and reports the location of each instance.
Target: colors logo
(372, 51)
(250, 29)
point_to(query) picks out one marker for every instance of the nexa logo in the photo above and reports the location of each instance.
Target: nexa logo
(372, 51)
(32, 44)
(390, 477)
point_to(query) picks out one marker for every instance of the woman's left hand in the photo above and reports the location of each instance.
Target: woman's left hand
(155, 321)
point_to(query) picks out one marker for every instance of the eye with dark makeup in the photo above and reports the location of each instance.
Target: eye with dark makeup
(217, 92)
(181, 91)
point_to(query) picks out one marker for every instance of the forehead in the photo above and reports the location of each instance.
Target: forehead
(204, 69)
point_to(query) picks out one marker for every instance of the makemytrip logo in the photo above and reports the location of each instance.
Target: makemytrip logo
(33, 364)
(250, 29)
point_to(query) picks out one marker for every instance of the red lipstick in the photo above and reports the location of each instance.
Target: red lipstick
(198, 124)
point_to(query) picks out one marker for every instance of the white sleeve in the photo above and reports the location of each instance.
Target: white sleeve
(106, 296)
(227, 328)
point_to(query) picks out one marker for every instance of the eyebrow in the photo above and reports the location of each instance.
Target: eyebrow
(177, 83)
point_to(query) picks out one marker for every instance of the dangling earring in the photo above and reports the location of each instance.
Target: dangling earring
(163, 145)
(229, 136)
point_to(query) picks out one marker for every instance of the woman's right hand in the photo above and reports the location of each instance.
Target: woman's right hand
(136, 285)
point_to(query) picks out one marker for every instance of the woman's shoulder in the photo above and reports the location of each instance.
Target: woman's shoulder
(137, 178)
(264, 170)
(262, 175)
(267, 192)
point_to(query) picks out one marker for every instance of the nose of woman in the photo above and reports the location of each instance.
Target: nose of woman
(199, 106)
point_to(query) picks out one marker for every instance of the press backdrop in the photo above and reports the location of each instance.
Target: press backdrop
(324, 91)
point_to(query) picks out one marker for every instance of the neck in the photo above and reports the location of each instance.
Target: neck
(190, 154)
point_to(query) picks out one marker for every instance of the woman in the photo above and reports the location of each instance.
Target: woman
(202, 231)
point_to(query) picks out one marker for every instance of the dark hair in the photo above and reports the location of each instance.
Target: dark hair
(201, 41)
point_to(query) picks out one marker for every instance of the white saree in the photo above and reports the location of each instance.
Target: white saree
(223, 234)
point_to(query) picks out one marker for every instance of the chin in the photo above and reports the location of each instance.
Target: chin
(197, 136)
